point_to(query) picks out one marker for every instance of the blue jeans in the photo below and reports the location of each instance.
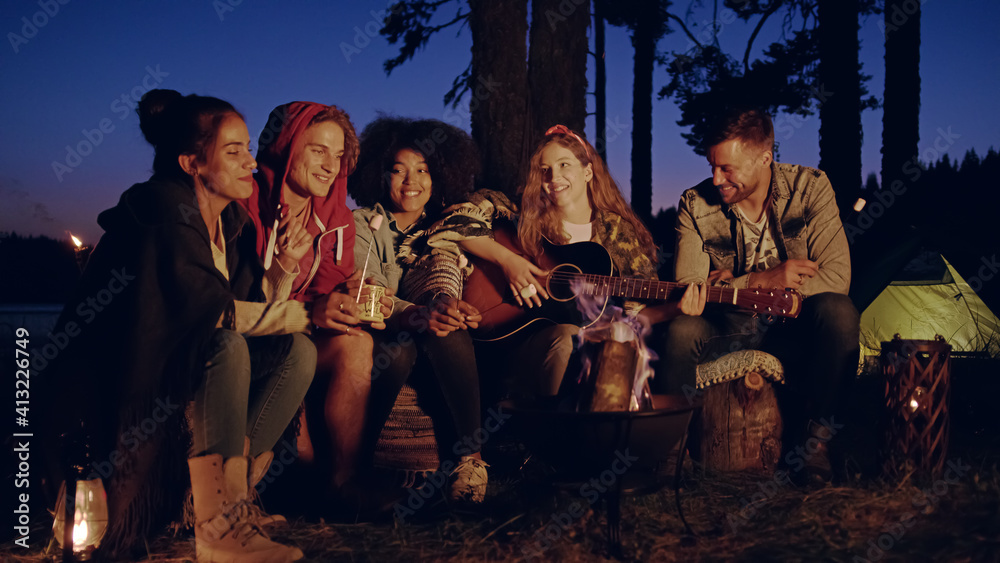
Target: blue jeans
(251, 387)
(819, 350)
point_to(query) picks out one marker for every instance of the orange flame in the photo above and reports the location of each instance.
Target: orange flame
(80, 532)
(619, 326)
(76, 242)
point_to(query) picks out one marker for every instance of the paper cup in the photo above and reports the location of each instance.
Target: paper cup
(371, 307)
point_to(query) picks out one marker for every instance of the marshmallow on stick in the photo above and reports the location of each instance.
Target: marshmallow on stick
(374, 223)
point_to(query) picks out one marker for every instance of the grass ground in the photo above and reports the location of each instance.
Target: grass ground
(737, 517)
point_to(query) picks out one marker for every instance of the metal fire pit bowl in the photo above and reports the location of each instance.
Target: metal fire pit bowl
(642, 450)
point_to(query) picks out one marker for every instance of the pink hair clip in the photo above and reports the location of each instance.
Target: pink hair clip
(563, 130)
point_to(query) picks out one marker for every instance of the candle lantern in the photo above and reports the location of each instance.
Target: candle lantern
(89, 507)
(917, 396)
(82, 501)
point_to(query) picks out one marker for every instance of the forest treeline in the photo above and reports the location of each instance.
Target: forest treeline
(943, 205)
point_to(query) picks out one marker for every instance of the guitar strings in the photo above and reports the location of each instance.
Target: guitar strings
(598, 284)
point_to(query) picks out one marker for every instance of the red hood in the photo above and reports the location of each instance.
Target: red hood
(288, 122)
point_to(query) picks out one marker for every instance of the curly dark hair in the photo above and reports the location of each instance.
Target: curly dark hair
(451, 155)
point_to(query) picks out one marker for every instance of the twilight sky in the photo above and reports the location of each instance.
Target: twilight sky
(71, 78)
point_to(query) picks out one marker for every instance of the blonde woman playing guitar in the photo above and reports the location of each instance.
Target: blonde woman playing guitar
(569, 197)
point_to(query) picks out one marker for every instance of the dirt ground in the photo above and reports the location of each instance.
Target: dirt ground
(736, 517)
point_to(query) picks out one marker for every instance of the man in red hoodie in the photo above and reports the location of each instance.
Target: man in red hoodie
(306, 151)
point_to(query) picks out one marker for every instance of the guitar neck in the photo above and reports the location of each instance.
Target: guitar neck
(635, 288)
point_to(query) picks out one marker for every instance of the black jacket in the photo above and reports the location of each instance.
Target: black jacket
(134, 335)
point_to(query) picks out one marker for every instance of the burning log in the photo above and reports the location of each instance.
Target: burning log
(615, 372)
(609, 387)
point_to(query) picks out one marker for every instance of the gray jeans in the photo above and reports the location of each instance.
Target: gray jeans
(251, 387)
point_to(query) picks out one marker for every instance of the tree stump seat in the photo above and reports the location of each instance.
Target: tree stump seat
(739, 428)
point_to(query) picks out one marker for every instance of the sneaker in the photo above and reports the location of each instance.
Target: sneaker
(468, 480)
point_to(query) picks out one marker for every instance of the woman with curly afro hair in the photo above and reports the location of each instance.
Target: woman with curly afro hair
(408, 172)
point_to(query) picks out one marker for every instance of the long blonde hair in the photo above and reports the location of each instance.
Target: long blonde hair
(540, 217)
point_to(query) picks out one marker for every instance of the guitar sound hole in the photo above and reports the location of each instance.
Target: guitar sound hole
(562, 279)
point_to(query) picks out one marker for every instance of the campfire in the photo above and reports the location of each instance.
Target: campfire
(616, 360)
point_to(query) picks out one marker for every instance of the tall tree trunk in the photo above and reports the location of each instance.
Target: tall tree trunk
(901, 110)
(839, 93)
(600, 84)
(499, 85)
(644, 42)
(557, 64)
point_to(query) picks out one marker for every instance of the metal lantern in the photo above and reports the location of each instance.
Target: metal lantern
(917, 396)
(90, 517)
(81, 500)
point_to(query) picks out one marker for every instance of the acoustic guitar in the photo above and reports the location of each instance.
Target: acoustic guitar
(585, 268)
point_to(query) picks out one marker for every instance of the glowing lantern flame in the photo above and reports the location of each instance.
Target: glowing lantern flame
(80, 532)
(916, 398)
(860, 204)
(76, 242)
(90, 518)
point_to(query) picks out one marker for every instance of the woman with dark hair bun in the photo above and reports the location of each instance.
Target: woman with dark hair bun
(197, 337)
(408, 172)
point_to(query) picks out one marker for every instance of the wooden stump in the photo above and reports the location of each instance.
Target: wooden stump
(740, 426)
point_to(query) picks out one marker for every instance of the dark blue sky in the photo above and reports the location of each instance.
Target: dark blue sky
(68, 75)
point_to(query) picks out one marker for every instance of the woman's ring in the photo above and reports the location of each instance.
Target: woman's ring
(528, 290)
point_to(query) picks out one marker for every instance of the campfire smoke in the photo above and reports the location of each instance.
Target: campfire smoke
(614, 325)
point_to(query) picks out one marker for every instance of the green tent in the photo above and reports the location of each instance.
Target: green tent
(928, 297)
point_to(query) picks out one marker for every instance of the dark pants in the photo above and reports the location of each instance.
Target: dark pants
(819, 351)
(529, 363)
(450, 362)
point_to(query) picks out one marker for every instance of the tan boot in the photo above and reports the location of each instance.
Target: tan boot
(259, 467)
(224, 530)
